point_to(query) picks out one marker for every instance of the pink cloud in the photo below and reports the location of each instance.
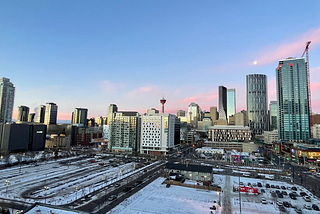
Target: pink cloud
(286, 49)
(109, 86)
(142, 90)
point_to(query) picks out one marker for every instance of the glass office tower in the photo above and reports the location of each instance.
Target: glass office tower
(231, 102)
(293, 100)
(222, 103)
(273, 115)
(257, 108)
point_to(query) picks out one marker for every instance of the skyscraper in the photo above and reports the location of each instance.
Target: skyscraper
(213, 113)
(31, 117)
(231, 102)
(124, 132)
(79, 116)
(23, 113)
(50, 116)
(181, 113)
(293, 99)
(7, 90)
(194, 114)
(111, 112)
(257, 109)
(40, 114)
(222, 103)
(273, 115)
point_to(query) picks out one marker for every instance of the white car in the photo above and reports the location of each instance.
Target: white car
(279, 203)
(306, 206)
(307, 198)
(263, 201)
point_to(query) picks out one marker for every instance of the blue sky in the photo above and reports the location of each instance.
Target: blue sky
(93, 53)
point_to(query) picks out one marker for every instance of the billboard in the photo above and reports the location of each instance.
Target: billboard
(249, 190)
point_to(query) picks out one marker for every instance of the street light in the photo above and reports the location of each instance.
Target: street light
(7, 184)
(21, 211)
(219, 194)
(45, 197)
(76, 191)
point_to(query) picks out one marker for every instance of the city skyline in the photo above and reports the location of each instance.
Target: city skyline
(99, 58)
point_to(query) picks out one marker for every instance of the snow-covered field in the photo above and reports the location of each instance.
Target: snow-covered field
(156, 198)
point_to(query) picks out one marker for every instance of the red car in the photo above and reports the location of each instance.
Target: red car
(101, 164)
(92, 161)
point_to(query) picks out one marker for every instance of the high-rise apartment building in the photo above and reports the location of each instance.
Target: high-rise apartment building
(7, 91)
(40, 114)
(124, 132)
(112, 109)
(157, 133)
(31, 117)
(231, 102)
(181, 113)
(257, 108)
(273, 115)
(23, 113)
(223, 103)
(79, 116)
(194, 114)
(51, 114)
(293, 100)
(213, 113)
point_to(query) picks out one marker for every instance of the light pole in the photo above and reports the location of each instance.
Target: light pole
(18, 212)
(219, 194)
(76, 191)
(239, 193)
(7, 184)
(46, 188)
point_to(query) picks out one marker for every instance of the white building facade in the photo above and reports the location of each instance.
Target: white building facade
(157, 133)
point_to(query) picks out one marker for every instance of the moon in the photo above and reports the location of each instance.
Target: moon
(255, 62)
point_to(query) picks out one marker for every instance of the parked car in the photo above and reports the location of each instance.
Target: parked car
(307, 198)
(259, 184)
(272, 186)
(303, 194)
(117, 185)
(292, 204)
(273, 194)
(292, 196)
(278, 192)
(315, 207)
(282, 209)
(286, 204)
(263, 201)
(288, 188)
(306, 206)
(280, 195)
(284, 193)
(127, 189)
(262, 191)
(249, 184)
(277, 187)
(294, 188)
(279, 203)
(267, 185)
(298, 210)
(112, 197)
(283, 187)
(241, 183)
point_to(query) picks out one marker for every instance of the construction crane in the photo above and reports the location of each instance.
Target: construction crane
(306, 51)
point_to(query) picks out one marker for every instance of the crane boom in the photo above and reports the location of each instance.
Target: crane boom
(306, 51)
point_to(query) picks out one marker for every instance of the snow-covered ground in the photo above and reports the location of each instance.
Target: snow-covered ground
(156, 198)
(66, 183)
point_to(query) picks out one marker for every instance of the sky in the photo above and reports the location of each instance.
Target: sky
(89, 54)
